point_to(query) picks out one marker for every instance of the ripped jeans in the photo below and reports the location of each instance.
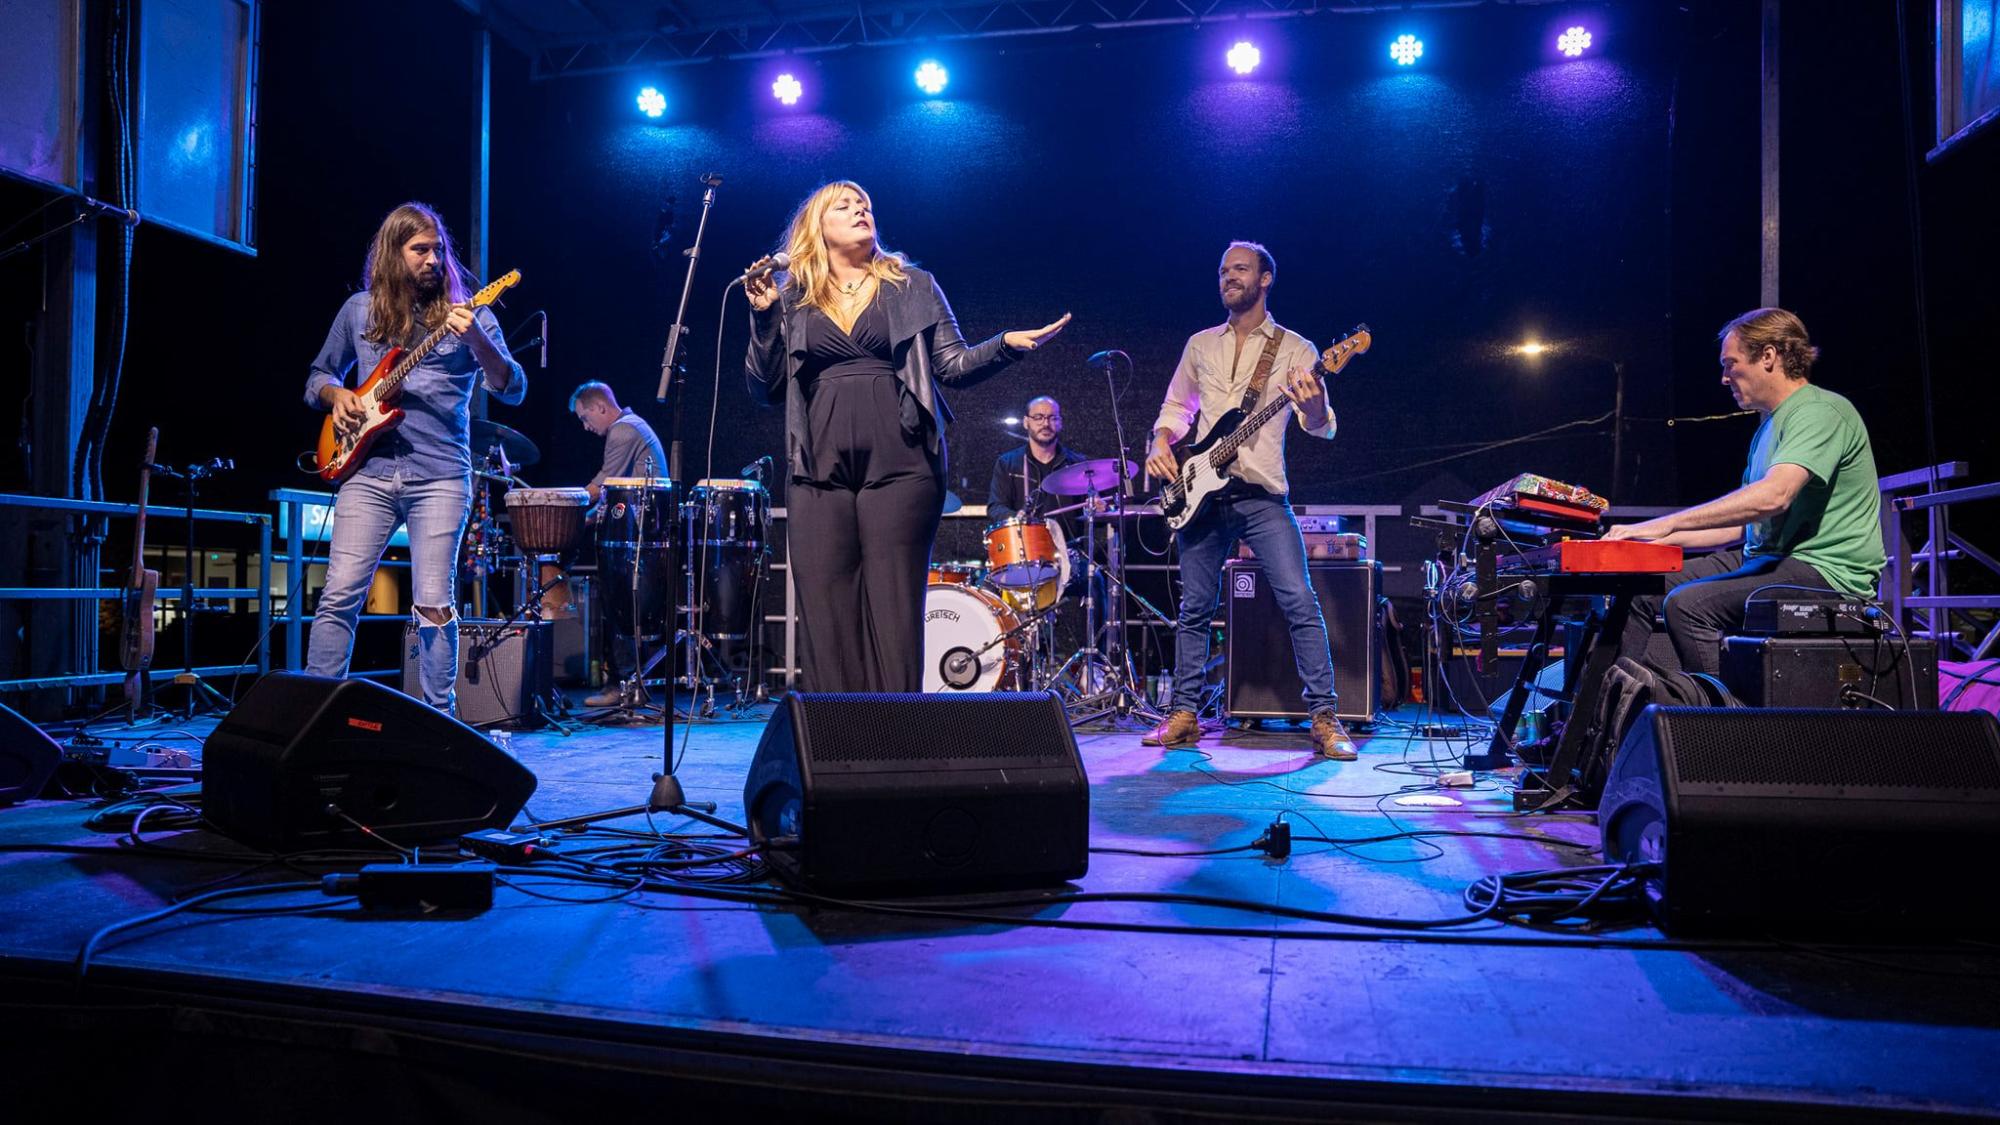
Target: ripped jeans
(366, 512)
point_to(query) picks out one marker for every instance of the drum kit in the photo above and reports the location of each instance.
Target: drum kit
(991, 626)
(636, 529)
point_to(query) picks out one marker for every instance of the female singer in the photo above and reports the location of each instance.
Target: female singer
(856, 341)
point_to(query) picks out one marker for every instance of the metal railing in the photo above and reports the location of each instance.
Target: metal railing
(108, 510)
(1916, 584)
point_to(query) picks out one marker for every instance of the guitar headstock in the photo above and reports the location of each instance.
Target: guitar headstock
(499, 285)
(1353, 344)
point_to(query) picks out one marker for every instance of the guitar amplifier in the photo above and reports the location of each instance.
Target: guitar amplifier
(501, 673)
(1799, 671)
(1261, 679)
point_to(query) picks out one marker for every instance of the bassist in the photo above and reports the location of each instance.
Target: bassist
(420, 472)
(1221, 369)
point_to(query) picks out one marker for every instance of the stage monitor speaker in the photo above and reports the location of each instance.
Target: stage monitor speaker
(1262, 678)
(1807, 820)
(919, 794)
(502, 673)
(28, 757)
(296, 745)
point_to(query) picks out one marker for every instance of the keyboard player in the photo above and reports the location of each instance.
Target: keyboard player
(1808, 513)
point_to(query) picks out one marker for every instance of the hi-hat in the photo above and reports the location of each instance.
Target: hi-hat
(1087, 477)
(512, 442)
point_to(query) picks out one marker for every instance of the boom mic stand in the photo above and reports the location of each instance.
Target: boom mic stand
(199, 691)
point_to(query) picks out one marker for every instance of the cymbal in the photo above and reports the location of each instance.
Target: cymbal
(952, 503)
(1086, 477)
(515, 444)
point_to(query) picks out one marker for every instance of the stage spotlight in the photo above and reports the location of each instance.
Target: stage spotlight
(787, 89)
(1243, 57)
(1574, 42)
(932, 77)
(1532, 348)
(652, 103)
(1407, 49)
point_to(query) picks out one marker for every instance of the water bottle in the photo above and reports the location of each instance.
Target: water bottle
(504, 739)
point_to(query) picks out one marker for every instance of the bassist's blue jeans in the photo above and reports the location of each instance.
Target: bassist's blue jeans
(366, 512)
(1250, 514)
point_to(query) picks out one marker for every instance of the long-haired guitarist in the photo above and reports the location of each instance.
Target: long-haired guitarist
(1223, 369)
(418, 473)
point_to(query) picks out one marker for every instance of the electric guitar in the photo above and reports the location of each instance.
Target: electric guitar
(142, 586)
(339, 455)
(1200, 476)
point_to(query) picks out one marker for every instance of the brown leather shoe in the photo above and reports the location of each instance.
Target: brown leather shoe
(1331, 739)
(1180, 729)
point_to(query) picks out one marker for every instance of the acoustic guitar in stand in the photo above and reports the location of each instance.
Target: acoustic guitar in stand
(142, 588)
(1201, 475)
(339, 455)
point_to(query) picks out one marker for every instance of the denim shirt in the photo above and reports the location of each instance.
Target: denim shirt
(434, 440)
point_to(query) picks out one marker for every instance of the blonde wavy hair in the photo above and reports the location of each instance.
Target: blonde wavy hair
(1778, 330)
(811, 271)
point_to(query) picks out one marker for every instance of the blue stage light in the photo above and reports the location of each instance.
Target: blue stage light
(1574, 42)
(652, 103)
(787, 89)
(1244, 57)
(1407, 49)
(932, 77)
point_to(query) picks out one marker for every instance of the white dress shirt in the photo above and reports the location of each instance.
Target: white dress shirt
(1210, 381)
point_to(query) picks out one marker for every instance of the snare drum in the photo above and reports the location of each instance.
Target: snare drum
(952, 574)
(637, 512)
(728, 513)
(1022, 552)
(547, 521)
(961, 626)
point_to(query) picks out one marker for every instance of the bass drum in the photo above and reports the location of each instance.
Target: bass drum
(961, 626)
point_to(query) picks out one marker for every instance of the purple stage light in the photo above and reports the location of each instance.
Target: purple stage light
(1574, 42)
(1244, 57)
(932, 77)
(652, 103)
(1406, 50)
(787, 89)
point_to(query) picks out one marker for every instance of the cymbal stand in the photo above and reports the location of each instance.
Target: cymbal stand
(1108, 686)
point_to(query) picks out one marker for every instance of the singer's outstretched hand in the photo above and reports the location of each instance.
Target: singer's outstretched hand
(1030, 340)
(761, 291)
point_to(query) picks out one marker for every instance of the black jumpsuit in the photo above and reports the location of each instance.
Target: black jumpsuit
(863, 510)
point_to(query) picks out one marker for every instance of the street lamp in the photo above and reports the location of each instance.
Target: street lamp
(1534, 350)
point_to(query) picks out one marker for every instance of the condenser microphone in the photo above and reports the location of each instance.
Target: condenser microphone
(764, 265)
(760, 465)
(1104, 359)
(545, 339)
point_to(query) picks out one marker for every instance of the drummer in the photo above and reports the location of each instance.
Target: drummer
(631, 449)
(1018, 473)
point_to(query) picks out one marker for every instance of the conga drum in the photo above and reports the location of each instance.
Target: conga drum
(635, 555)
(728, 522)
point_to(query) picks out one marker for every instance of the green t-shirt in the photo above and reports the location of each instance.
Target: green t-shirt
(1834, 524)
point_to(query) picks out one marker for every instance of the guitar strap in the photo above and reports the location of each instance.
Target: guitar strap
(1262, 374)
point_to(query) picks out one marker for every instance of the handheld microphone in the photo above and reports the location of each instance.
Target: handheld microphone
(105, 210)
(763, 266)
(1103, 359)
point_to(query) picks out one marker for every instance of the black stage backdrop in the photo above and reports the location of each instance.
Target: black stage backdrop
(1494, 192)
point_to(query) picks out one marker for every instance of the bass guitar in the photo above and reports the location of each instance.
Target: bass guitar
(1200, 476)
(142, 588)
(339, 455)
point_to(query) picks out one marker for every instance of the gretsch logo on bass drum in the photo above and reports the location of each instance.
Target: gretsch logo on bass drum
(941, 614)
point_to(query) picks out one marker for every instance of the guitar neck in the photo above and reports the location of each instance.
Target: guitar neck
(1226, 449)
(139, 525)
(394, 379)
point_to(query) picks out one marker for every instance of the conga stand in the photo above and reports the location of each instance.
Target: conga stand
(635, 704)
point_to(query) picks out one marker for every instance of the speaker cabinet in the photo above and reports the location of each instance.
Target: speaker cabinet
(28, 757)
(1261, 676)
(297, 744)
(1807, 820)
(1793, 671)
(919, 794)
(501, 672)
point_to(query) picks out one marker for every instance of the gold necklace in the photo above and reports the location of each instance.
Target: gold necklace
(851, 287)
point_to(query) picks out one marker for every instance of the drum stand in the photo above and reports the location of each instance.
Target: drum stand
(697, 644)
(1105, 683)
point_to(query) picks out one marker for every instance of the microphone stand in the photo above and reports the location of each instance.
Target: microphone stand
(199, 692)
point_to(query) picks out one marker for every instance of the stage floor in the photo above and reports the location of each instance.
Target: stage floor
(681, 1002)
